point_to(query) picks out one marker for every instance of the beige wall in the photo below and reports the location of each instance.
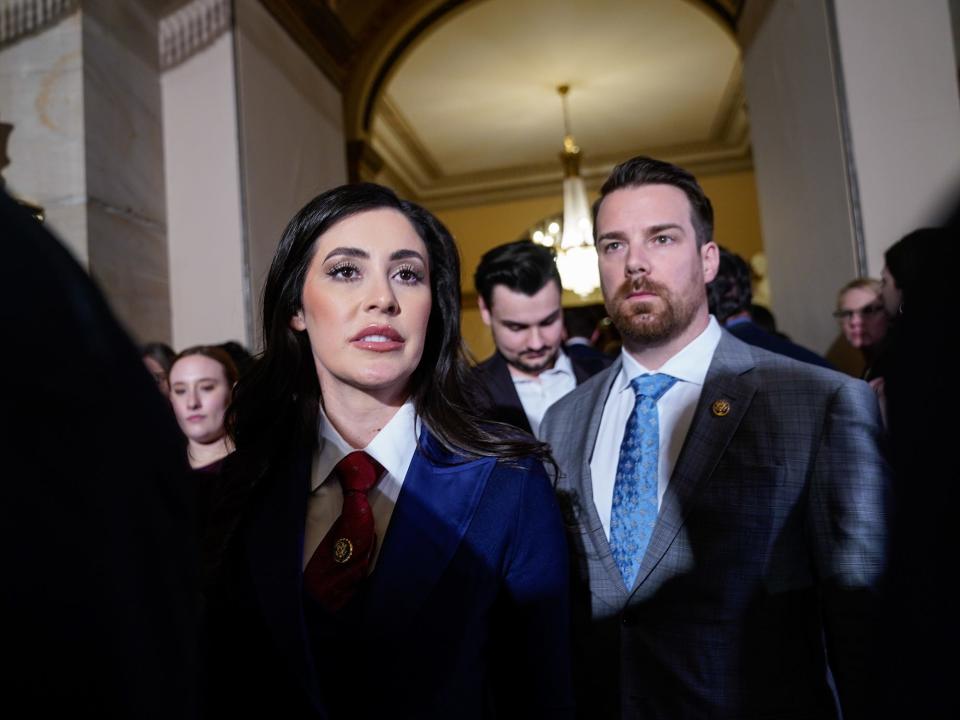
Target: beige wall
(205, 233)
(41, 95)
(291, 136)
(479, 228)
(855, 124)
(904, 116)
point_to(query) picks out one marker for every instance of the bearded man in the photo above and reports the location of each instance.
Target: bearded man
(725, 505)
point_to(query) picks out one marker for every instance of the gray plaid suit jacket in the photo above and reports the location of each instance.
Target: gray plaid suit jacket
(763, 562)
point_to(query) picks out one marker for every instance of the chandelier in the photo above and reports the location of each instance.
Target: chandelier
(572, 238)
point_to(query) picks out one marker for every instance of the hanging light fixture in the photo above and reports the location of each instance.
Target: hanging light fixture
(573, 240)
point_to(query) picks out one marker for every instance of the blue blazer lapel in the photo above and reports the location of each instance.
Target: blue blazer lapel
(728, 379)
(274, 547)
(436, 504)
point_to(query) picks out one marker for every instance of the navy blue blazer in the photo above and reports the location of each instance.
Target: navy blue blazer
(465, 614)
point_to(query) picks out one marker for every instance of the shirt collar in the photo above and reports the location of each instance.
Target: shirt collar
(689, 365)
(561, 365)
(393, 447)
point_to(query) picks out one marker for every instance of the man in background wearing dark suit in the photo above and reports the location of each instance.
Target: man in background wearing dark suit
(519, 293)
(730, 296)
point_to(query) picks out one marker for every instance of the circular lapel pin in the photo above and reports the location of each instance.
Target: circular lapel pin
(720, 407)
(342, 550)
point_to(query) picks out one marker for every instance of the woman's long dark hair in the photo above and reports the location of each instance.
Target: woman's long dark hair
(275, 408)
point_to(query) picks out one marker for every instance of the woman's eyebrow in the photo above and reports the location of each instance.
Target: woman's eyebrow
(348, 251)
(403, 254)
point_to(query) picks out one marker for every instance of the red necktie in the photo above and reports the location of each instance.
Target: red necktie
(340, 562)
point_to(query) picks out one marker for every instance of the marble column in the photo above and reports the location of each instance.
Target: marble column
(79, 82)
(208, 275)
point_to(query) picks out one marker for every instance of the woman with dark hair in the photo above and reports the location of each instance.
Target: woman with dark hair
(903, 268)
(377, 550)
(201, 383)
(158, 357)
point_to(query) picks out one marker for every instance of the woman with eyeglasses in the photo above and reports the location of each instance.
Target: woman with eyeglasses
(376, 549)
(863, 320)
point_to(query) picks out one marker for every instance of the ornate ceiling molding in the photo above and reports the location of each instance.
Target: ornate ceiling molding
(406, 162)
(19, 18)
(193, 27)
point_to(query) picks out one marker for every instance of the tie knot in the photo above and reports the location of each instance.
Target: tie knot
(652, 386)
(358, 472)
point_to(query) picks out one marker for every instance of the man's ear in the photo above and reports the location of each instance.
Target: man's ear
(484, 311)
(710, 258)
(297, 322)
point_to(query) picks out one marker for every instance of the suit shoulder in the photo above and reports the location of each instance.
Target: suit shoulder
(782, 372)
(486, 366)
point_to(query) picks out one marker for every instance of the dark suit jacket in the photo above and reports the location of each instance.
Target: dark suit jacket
(498, 396)
(769, 540)
(465, 614)
(98, 609)
(753, 334)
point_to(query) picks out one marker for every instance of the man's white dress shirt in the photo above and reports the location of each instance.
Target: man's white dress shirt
(539, 393)
(675, 412)
(393, 447)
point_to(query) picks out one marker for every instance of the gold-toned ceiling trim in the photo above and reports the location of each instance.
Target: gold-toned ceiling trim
(427, 166)
(319, 33)
(702, 159)
(730, 115)
(409, 168)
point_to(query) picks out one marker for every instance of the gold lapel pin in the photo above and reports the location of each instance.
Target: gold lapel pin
(342, 550)
(721, 408)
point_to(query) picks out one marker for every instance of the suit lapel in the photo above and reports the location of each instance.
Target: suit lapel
(504, 394)
(580, 373)
(274, 546)
(436, 504)
(598, 536)
(728, 379)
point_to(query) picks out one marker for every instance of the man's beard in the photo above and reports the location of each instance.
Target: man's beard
(544, 363)
(641, 322)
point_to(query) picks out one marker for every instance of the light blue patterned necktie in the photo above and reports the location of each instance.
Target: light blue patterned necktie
(635, 488)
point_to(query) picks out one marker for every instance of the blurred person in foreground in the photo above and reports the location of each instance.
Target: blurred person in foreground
(98, 611)
(920, 625)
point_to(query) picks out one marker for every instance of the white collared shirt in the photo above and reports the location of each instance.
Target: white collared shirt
(393, 447)
(675, 411)
(539, 393)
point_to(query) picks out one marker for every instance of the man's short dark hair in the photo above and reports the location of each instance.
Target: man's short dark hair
(521, 266)
(643, 170)
(730, 292)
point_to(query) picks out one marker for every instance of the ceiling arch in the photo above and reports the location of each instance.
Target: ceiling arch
(453, 101)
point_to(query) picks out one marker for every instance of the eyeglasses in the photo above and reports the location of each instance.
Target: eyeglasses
(868, 311)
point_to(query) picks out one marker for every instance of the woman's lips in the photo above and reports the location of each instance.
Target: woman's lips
(378, 338)
(195, 418)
